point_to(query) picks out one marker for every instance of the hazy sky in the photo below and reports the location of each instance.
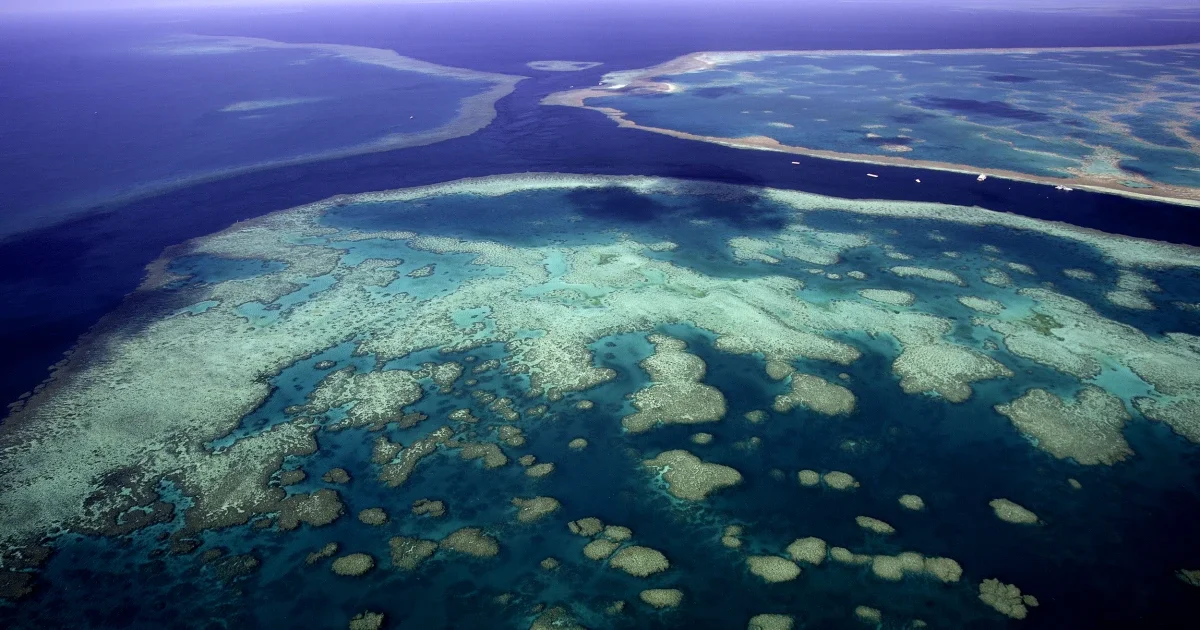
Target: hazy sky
(32, 6)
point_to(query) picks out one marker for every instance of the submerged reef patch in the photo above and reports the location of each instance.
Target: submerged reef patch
(1087, 429)
(1006, 598)
(817, 394)
(688, 477)
(1011, 512)
(676, 395)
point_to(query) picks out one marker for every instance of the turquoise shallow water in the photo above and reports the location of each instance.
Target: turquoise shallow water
(1118, 539)
(1040, 113)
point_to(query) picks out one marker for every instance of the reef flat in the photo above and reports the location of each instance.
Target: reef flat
(583, 398)
(1122, 120)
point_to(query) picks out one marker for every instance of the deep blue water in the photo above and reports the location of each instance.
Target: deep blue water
(94, 260)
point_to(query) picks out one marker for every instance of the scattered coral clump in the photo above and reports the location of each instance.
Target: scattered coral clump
(1006, 598)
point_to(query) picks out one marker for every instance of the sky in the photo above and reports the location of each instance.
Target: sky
(55, 6)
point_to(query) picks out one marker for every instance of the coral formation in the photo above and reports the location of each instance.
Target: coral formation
(937, 275)
(810, 550)
(1011, 512)
(317, 509)
(471, 541)
(366, 620)
(599, 549)
(491, 454)
(676, 394)
(373, 516)
(577, 444)
(731, 538)
(336, 475)
(354, 564)
(1087, 429)
(639, 561)
(537, 471)
(875, 525)
(436, 509)
(912, 502)
(555, 618)
(983, 305)
(409, 553)
(1006, 598)
(816, 393)
(587, 527)
(535, 509)
(688, 477)
(889, 296)
(808, 478)
(324, 552)
(868, 614)
(946, 369)
(662, 597)
(839, 480)
(771, 622)
(773, 568)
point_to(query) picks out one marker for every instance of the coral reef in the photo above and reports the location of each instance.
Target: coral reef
(662, 597)
(773, 568)
(688, 477)
(535, 509)
(366, 620)
(409, 553)
(600, 549)
(810, 550)
(354, 564)
(868, 614)
(912, 502)
(808, 478)
(1011, 512)
(588, 527)
(324, 552)
(436, 509)
(839, 480)
(889, 296)
(1087, 429)
(639, 561)
(1006, 598)
(471, 541)
(675, 395)
(946, 369)
(937, 275)
(373, 516)
(816, 393)
(771, 622)
(537, 471)
(874, 525)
